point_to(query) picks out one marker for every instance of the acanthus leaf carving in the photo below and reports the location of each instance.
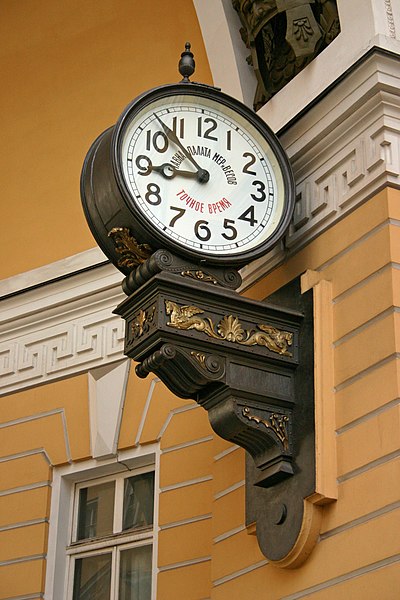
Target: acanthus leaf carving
(131, 252)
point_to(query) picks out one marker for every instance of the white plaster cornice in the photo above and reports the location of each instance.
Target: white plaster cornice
(56, 270)
(226, 52)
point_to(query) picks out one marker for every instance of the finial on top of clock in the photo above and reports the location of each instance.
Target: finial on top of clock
(186, 64)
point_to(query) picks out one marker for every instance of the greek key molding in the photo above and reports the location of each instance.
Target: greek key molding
(341, 183)
(66, 335)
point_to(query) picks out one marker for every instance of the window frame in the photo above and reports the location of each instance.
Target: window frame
(119, 479)
(113, 543)
(63, 526)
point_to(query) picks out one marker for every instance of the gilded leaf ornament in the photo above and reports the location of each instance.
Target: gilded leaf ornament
(229, 328)
(201, 358)
(200, 276)
(276, 422)
(141, 322)
(132, 253)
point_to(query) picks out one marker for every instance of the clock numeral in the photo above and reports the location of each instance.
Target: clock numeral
(228, 224)
(229, 140)
(207, 132)
(143, 164)
(248, 216)
(261, 190)
(152, 195)
(201, 230)
(159, 141)
(178, 127)
(250, 163)
(181, 212)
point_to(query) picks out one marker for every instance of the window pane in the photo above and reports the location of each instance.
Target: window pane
(135, 574)
(92, 578)
(96, 510)
(138, 501)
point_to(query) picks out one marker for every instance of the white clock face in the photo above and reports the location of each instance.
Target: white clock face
(202, 175)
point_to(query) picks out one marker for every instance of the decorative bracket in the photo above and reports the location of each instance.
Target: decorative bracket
(249, 364)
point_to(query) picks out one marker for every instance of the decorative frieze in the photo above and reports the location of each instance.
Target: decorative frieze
(343, 181)
(62, 335)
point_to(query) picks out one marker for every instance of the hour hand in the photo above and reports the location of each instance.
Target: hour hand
(202, 175)
(169, 171)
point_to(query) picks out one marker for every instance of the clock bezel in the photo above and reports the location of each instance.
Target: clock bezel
(145, 231)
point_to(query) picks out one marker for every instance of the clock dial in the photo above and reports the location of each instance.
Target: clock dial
(191, 170)
(202, 175)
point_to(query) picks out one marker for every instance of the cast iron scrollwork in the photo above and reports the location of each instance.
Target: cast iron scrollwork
(185, 372)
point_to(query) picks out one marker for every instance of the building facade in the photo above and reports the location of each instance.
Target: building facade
(111, 486)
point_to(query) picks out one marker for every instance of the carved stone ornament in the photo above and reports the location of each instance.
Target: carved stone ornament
(284, 36)
(249, 364)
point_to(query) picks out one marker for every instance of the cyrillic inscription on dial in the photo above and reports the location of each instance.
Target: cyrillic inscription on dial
(202, 176)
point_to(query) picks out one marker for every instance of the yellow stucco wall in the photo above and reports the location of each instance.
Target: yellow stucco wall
(68, 69)
(204, 549)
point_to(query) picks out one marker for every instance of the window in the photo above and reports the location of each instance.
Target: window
(112, 538)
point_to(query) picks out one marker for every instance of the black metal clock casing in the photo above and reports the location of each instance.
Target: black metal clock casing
(192, 170)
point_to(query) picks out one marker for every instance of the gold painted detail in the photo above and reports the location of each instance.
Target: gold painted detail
(200, 275)
(132, 253)
(201, 358)
(229, 329)
(276, 422)
(142, 321)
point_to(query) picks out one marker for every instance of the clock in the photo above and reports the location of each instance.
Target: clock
(192, 170)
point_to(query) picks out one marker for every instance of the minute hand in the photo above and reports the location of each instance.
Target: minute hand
(202, 175)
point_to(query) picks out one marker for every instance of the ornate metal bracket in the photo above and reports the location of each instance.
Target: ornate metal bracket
(244, 362)
(141, 264)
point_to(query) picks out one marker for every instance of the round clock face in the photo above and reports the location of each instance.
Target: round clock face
(203, 176)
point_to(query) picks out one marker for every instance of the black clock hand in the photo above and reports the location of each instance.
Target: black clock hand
(169, 171)
(202, 175)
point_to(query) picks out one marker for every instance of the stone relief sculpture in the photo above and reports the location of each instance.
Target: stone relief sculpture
(284, 36)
